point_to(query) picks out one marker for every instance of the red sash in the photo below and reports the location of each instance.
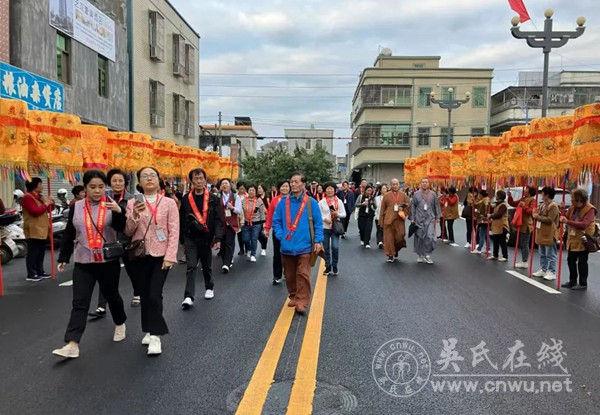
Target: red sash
(333, 203)
(291, 226)
(250, 212)
(94, 233)
(200, 217)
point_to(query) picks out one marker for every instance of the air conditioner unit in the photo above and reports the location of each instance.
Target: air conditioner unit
(178, 129)
(156, 120)
(157, 53)
(178, 69)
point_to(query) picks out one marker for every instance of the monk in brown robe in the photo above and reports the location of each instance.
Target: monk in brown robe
(395, 208)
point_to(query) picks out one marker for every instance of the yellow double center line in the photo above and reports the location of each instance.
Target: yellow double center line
(303, 390)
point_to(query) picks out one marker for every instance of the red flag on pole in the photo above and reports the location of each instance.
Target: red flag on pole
(519, 7)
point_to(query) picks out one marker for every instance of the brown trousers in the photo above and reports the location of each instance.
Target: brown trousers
(297, 278)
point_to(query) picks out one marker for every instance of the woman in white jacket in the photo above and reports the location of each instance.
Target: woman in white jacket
(378, 199)
(332, 208)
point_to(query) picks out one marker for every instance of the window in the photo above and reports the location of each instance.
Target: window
(190, 64)
(319, 143)
(424, 97)
(446, 94)
(477, 132)
(424, 136)
(178, 55)
(63, 61)
(395, 135)
(386, 96)
(190, 110)
(156, 36)
(307, 145)
(102, 76)
(157, 104)
(445, 140)
(179, 114)
(479, 97)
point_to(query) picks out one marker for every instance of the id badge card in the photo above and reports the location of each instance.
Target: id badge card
(538, 225)
(396, 208)
(572, 232)
(425, 206)
(227, 213)
(161, 235)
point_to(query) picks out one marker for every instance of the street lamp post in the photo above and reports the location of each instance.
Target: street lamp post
(547, 40)
(449, 104)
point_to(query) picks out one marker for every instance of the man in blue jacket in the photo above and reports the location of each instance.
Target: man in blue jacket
(292, 227)
(348, 199)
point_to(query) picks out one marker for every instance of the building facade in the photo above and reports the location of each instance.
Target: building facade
(393, 118)
(164, 89)
(518, 105)
(242, 136)
(4, 31)
(309, 139)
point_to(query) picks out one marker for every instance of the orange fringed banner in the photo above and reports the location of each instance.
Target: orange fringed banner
(585, 148)
(409, 171)
(438, 166)
(55, 144)
(94, 145)
(517, 152)
(211, 165)
(166, 158)
(458, 161)
(225, 167)
(235, 172)
(421, 168)
(483, 154)
(550, 147)
(189, 160)
(130, 151)
(14, 136)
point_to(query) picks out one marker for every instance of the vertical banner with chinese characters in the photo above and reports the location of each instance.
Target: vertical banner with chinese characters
(39, 93)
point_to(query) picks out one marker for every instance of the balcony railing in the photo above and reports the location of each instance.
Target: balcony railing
(378, 143)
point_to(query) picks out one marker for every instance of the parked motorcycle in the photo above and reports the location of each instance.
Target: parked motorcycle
(13, 239)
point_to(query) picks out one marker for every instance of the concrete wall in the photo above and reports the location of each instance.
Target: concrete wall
(4, 31)
(35, 50)
(146, 69)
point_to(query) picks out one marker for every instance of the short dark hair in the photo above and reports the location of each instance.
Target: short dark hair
(501, 195)
(346, 182)
(223, 180)
(113, 172)
(77, 189)
(196, 171)
(452, 190)
(484, 193)
(281, 183)
(31, 185)
(329, 184)
(579, 195)
(250, 186)
(302, 177)
(139, 172)
(532, 190)
(549, 191)
(94, 174)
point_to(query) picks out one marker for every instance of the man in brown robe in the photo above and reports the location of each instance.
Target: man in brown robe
(395, 208)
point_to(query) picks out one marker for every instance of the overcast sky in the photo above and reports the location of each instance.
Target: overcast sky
(290, 64)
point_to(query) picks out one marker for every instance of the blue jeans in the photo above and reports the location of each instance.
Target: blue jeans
(548, 257)
(250, 237)
(481, 236)
(331, 244)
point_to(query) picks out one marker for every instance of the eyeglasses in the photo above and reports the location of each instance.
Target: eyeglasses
(149, 176)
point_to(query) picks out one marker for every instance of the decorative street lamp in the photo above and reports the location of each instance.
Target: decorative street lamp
(547, 39)
(449, 104)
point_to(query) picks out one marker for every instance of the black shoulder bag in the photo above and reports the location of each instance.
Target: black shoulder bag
(109, 251)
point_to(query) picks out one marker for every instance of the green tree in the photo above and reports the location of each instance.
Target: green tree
(278, 164)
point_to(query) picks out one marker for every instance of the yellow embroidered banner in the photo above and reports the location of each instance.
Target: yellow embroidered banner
(438, 166)
(166, 157)
(14, 134)
(211, 165)
(225, 167)
(421, 167)
(483, 156)
(517, 152)
(236, 172)
(94, 146)
(409, 171)
(130, 151)
(585, 148)
(458, 161)
(550, 142)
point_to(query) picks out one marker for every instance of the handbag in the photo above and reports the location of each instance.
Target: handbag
(136, 250)
(467, 212)
(311, 226)
(338, 227)
(590, 243)
(518, 218)
(412, 228)
(110, 251)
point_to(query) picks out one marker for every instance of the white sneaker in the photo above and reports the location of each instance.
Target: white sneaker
(187, 303)
(154, 346)
(428, 260)
(467, 245)
(248, 254)
(362, 243)
(252, 258)
(445, 241)
(263, 252)
(70, 352)
(491, 258)
(476, 251)
(549, 276)
(146, 339)
(539, 273)
(523, 265)
(502, 259)
(119, 333)
(209, 294)
(225, 269)
(367, 246)
(420, 260)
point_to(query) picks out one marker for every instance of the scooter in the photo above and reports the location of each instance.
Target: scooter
(13, 239)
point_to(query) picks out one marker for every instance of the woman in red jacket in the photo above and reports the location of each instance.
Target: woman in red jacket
(284, 189)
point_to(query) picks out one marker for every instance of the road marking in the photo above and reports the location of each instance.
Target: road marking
(305, 382)
(533, 282)
(256, 393)
(455, 245)
(66, 284)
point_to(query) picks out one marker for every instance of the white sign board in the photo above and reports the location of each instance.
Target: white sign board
(86, 24)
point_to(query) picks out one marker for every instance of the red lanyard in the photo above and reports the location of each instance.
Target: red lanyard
(121, 197)
(153, 210)
(396, 197)
(94, 233)
(333, 202)
(200, 217)
(250, 212)
(291, 227)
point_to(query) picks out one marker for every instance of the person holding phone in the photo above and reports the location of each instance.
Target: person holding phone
(332, 209)
(254, 217)
(93, 223)
(153, 219)
(366, 212)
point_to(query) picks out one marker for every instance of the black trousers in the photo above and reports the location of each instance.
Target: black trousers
(150, 279)
(469, 221)
(36, 249)
(277, 265)
(241, 243)
(379, 232)
(365, 227)
(346, 220)
(227, 246)
(263, 239)
(443, 233)
(578, 264)
(500, 243)
(84, 280)
(136, 292)
(450, 227)
(198, 251)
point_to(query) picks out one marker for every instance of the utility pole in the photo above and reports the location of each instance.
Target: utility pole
(449, 104)
(220, 137)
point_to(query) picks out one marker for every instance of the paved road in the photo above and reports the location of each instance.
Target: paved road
(214, 349)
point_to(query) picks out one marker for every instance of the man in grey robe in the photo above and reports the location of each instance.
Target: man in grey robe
(425, 211)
